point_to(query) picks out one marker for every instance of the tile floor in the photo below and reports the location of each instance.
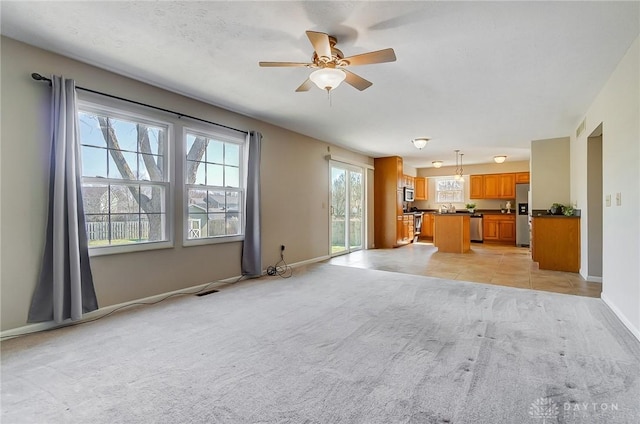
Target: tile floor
(486, 263)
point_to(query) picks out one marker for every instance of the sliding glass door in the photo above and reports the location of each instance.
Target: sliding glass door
(347, 208)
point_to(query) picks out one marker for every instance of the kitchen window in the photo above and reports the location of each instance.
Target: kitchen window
(214, 187)
(449, 190)
(125, 180)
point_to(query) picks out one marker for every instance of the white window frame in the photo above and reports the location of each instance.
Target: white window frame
(226, 137)
(152, 119)
(461, 190)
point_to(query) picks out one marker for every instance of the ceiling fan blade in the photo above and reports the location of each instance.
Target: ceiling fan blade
(284, 64)
(306, 86)
(356, 81)
(380, 56)
(320, 43)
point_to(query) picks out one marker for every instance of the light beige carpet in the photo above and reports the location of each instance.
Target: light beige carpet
(334, 345)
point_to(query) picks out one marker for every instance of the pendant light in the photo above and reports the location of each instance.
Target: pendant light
(458, 175)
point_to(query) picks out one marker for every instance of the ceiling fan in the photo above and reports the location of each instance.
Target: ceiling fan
(331, 63)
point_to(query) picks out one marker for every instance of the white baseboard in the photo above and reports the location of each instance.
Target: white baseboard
(620, 315)
(593, 279)
(49, 325)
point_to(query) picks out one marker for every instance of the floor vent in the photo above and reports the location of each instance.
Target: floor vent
(204, 293)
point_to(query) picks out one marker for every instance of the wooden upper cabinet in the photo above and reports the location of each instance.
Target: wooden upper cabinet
(421, 189)
(508, 186)
(476, 190)
(493, 186)
(522, 178)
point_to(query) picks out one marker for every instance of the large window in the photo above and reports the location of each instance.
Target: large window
(125, 179)
(449, 190)
(214, 187)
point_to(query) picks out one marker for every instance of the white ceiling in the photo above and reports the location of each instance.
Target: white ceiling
(483, 77)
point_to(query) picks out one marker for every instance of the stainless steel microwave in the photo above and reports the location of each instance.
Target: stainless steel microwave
(408, 194)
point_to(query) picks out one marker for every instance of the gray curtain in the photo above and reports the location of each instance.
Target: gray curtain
(65, 287)
(252, 246)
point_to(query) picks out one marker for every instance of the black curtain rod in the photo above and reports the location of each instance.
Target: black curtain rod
(39, 77)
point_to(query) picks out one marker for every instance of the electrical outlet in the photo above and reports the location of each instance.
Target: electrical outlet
(607, 200)
(282, 247)
(618, 199)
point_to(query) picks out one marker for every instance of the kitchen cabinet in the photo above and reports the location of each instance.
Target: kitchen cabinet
(427, 225)
(388, 197)
(452, 233)
(407, 228)
(499, 228)
(421, 188)
(555, 242)
(476, 187)
(522, 178)
(493, 186)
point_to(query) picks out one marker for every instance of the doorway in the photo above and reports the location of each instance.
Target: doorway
(594, 205)
(346, 209)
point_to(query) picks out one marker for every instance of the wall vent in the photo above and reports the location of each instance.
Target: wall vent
(581, 127)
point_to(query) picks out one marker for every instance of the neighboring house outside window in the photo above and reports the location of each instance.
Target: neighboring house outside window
(125, 180)
(214, 187)
(449, 190)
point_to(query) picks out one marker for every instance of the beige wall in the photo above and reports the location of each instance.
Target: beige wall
(550, 173)
(485, 168)
(617, 108)
(295, 190)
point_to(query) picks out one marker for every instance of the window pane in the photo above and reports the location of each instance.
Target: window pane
(94, 162)
(214, 175)
(217, 201)
(127, 134)
(97, 230)
(124, 199)
(231, 177)
(125, 228)
(155, 136)
(233, 224)
(214, 152)
(152, 199)
(232, 201)
(90, 132)
(197, 225)
(150, 168)
(92, 198)
(198, 198)
(128, 160)
(217, 225)
(232, 154)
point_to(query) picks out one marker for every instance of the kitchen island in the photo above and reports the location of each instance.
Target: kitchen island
(451, 232)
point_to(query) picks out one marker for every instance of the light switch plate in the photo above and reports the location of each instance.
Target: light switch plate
(607, 200)
(618, 199)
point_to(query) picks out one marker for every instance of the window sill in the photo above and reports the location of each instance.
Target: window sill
(212, 240)
(130, 248)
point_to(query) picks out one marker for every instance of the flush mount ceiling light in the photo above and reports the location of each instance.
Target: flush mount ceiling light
(437, 163)
(500, 158)
(420, 142)
(327, 78)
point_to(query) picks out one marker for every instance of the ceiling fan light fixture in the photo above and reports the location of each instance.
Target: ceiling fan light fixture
(420, 142)
(437, 163)
(327, 78)
(500, 158)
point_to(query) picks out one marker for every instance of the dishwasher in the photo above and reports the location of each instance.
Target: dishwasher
(475, 227)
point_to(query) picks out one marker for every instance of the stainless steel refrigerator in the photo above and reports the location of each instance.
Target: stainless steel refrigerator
(522, 216)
